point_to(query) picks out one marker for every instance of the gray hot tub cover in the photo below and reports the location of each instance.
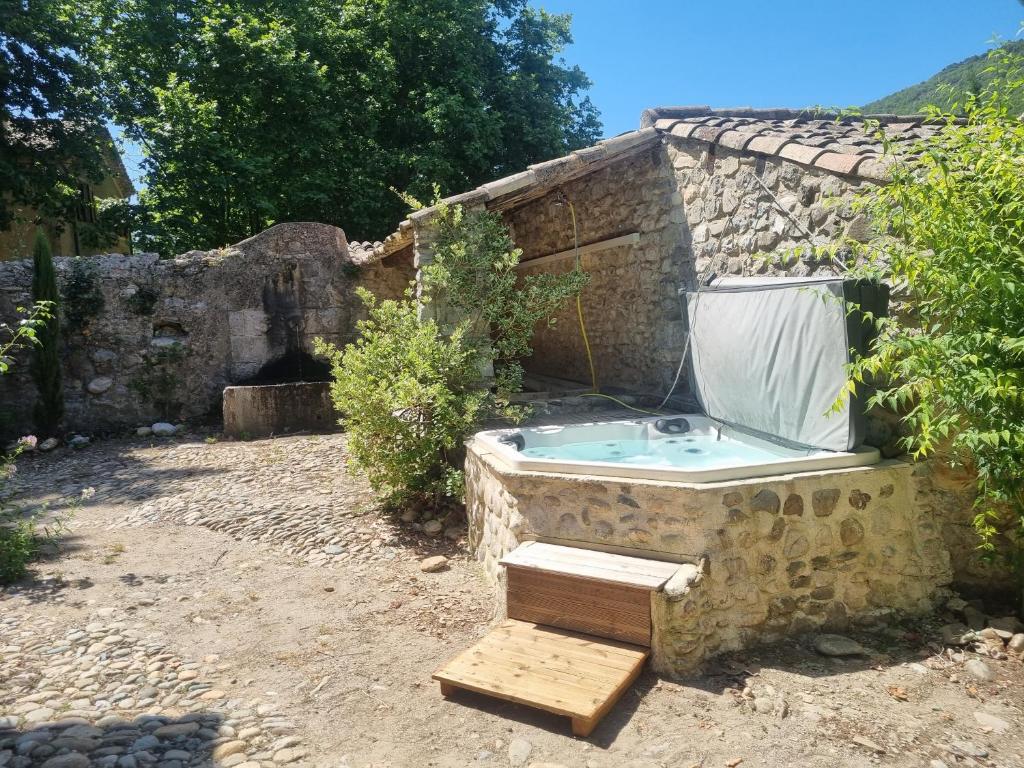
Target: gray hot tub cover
(769, 355)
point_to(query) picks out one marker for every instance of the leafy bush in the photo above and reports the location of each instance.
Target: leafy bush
(474, 268)
(951, 227)
(409, 394)
(411, 391)
(19, 544)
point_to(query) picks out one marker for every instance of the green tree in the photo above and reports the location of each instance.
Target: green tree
(253, 112)
(50, 114)
(951, 227)
(45, 367)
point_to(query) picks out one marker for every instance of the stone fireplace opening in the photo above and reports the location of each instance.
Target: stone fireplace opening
(292, 367)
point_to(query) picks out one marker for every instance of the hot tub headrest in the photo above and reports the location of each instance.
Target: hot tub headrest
(674, 426)
(516, 440)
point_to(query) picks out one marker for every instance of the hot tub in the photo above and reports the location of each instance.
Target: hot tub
(688, 448)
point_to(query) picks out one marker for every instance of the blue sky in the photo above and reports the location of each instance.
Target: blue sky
(769, 53)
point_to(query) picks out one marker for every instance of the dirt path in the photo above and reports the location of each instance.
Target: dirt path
(241, 604)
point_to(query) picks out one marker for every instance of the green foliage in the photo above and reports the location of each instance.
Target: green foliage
(408, 394)
(45, 367)
(159, 383)
(952, 224)
(411, 391)
(82, 297)
(19, 545)
(20, 534)
(25, 332)
(950, 85)
(251, 113)
(474, 268)
(51, 132)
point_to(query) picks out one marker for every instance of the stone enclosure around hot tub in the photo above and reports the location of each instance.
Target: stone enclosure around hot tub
(779, 555)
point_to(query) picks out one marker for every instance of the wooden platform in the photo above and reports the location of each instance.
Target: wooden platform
(568, 673)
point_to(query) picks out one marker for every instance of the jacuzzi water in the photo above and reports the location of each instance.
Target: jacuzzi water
(691, 452)
(708, 451)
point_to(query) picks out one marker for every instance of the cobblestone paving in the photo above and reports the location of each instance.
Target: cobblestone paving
(291, 495)
(103, 695)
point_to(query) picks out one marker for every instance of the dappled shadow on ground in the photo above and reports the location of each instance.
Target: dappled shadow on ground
(114, 740)
(115, 471)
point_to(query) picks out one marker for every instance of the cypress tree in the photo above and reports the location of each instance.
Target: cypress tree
(45, 366)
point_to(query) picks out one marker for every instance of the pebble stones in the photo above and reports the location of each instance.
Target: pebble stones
(979, 670)
(105, 695)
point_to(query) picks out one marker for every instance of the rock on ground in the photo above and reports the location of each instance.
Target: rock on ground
(838, 645)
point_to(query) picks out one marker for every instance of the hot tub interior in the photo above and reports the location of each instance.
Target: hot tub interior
(688, 448)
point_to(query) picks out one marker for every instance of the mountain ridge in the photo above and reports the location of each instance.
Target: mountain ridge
(964, 76)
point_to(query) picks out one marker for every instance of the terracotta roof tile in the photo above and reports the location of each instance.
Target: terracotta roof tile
(768, 145)
(838, 163)
(800, 153)
(837, 143)
(736, 139)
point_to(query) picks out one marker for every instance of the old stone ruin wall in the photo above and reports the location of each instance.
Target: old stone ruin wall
(172, 333)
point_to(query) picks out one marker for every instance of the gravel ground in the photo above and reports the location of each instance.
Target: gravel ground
(243, 604)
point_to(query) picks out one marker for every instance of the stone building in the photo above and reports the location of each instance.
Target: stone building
(69, 238)
(691, 193)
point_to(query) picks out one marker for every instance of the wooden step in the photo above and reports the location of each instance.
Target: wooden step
(598, 593)
(568, 673)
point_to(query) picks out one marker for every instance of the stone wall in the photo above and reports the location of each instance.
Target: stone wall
(740, 210)
(699, 209)
(783, 555)
(226, 314)
(632, 313)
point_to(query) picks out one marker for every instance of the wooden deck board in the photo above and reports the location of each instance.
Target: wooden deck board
(591, 564)
(567, 673)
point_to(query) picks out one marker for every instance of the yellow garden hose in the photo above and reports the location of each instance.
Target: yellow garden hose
(579, 302)
(583, 325)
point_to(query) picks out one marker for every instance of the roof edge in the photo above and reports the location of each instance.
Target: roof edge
(651, 115)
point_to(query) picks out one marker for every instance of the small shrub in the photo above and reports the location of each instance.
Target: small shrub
(474, 268)
(408, 395)
(18, 547)
(951, 238)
